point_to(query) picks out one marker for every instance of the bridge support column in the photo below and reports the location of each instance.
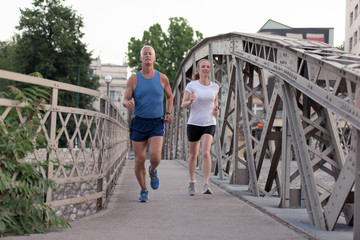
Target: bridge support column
(356, 156)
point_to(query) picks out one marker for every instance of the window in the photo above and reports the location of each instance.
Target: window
(350, 43)
(356, 11)
(112, 95)
(351, 18)
(355, 37)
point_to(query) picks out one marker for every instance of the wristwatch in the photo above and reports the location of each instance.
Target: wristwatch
(168, 113)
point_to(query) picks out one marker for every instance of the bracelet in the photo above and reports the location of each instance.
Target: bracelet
(167, 113)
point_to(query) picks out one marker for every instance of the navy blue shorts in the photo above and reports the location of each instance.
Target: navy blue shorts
(194, 132)
(142, 129)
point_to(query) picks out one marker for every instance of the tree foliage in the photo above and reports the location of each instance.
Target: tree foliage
(341, 47)
(170, 48)
(22, 184)
(7, 54)
(50, 43)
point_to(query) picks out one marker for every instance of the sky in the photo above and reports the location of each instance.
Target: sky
(109, 24)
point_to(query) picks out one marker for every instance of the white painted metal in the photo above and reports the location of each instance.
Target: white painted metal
(320, 119)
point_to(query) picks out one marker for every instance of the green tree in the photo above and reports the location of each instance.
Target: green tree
(7, 54)
(50, 44)
(341, 47)
(170, 49)
(7, 59)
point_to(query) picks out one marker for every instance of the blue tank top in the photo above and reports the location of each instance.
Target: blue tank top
(148, 96)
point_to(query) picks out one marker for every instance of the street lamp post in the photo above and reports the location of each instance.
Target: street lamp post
(108, 81)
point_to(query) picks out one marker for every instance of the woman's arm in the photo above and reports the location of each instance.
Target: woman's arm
(216, 108)
(188, 99)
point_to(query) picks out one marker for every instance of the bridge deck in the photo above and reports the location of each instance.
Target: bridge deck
(172, 214)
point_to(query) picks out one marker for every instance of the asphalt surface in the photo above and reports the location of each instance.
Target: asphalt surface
(229, 213)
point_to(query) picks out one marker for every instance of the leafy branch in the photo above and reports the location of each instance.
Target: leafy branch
(22, 183)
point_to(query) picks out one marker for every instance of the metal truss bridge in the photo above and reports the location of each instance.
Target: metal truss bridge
(306, 95)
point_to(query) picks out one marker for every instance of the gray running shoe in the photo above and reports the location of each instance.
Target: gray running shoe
(191, 188)
(206, 188)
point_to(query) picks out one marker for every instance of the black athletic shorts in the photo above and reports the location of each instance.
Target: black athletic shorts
(142, 129)
(194, 132)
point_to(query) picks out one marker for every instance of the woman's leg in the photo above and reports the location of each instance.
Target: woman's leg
(192, 161)
(206, 141)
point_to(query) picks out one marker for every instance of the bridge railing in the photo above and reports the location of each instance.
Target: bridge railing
(304, 94)
(85, 148)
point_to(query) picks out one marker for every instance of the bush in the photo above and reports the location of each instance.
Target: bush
(22, 184)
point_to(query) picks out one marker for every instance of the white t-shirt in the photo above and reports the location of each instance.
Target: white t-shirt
(202, 109)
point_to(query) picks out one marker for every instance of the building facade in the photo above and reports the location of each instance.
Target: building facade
(272, 27)
(352, 27)
(118, 73)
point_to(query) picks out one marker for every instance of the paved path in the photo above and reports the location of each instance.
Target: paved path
(171, 214)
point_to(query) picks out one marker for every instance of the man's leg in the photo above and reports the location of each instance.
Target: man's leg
(155, 147)
(140, 156)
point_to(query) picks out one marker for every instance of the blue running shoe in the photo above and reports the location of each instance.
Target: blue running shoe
(154, 180)
(144, 195)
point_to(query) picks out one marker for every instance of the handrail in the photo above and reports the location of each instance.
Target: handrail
(89, 146)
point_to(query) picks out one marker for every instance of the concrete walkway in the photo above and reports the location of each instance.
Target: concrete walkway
(171, 214)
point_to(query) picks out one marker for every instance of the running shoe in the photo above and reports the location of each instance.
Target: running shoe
(154, 180)
(206, 188)
(144, 195)
(191, 188)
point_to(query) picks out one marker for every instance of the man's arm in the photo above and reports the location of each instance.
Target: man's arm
(169, 97)
(128, 101)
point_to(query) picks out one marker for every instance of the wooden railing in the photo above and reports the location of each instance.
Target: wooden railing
(88, 146)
